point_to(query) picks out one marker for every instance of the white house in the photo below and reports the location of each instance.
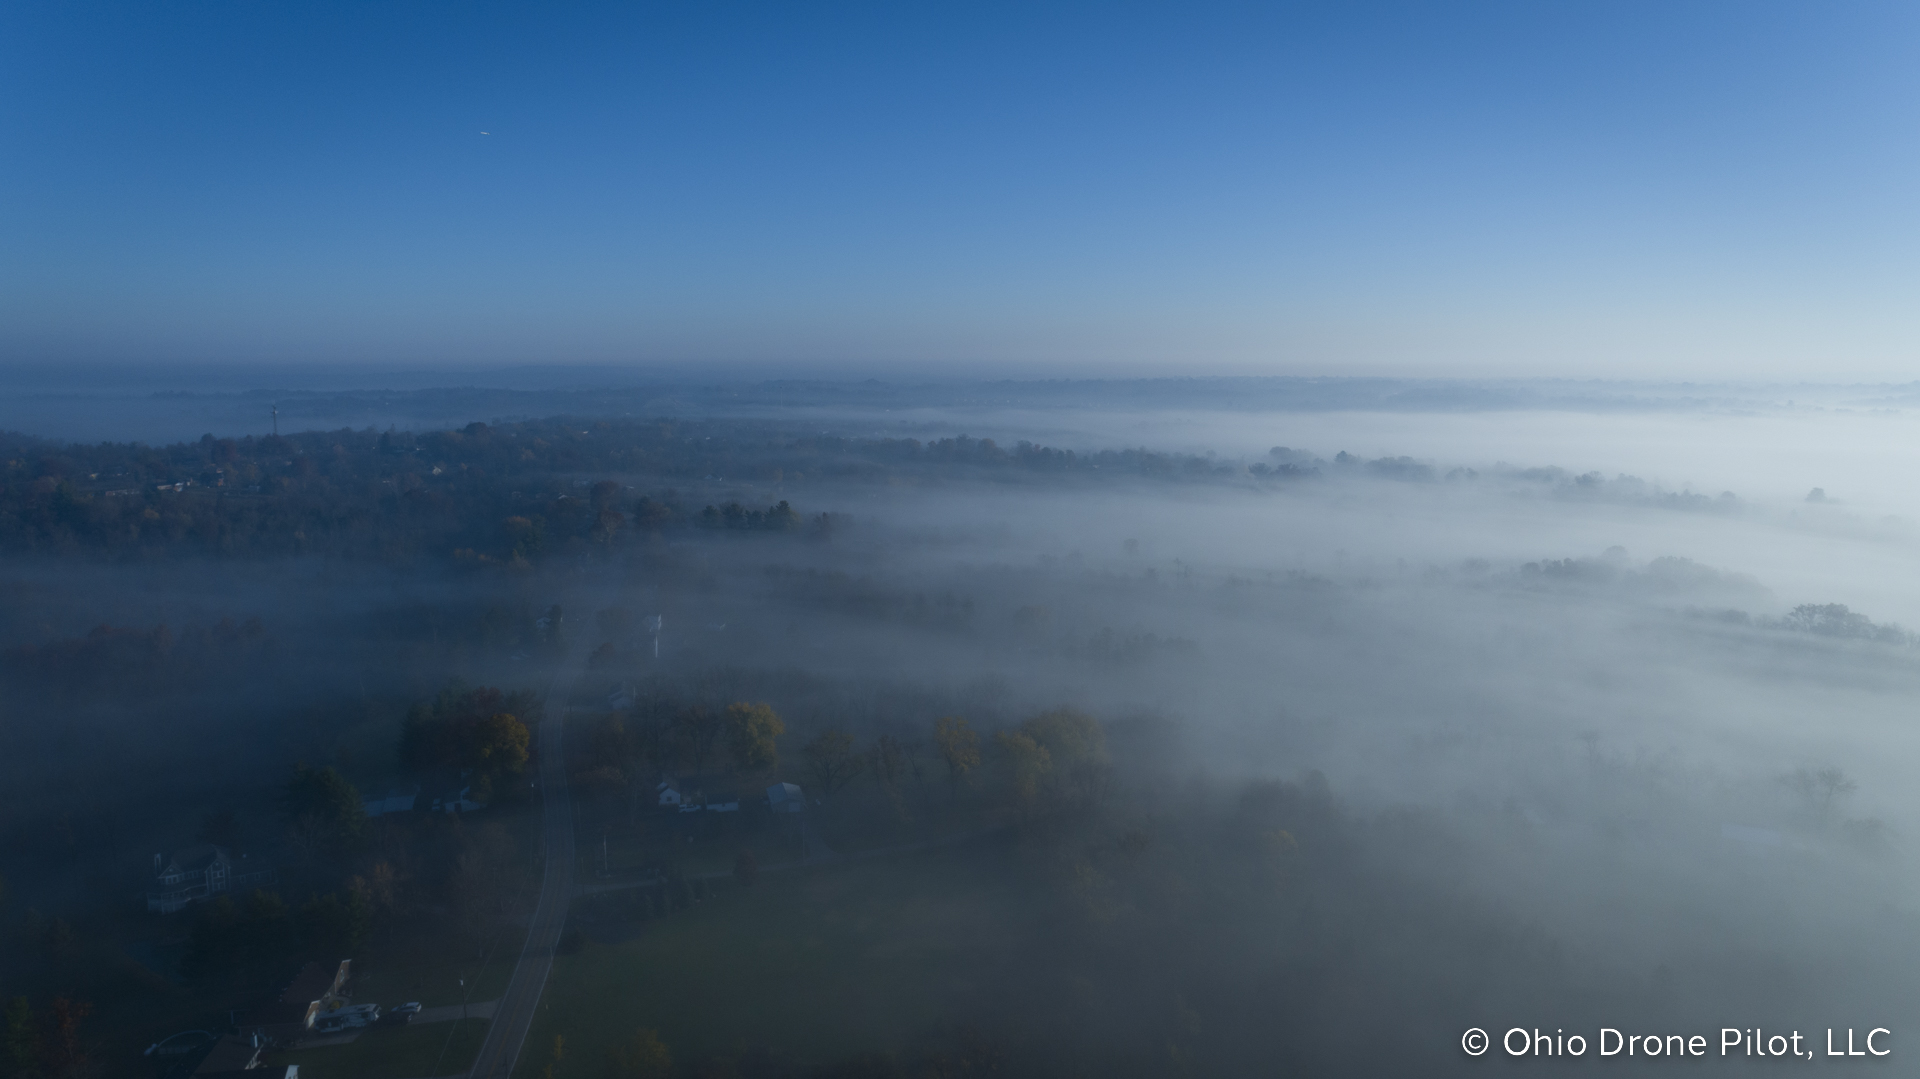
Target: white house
(200, 872)
(669, 792)
(786, 798)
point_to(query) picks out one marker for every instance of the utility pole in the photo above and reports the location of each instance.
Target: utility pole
(276, 419)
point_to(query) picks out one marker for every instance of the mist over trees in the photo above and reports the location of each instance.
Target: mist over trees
(1121, 762)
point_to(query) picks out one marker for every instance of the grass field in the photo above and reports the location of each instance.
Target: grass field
(807, 966)
(409, 1052)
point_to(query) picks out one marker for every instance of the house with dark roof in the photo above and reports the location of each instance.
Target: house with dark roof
(200, 872)
(318, 988)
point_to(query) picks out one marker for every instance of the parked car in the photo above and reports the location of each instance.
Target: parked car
(400, 1014)
(352, 1017)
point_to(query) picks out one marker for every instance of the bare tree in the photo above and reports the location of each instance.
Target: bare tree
(1820, 789)
(832, 760)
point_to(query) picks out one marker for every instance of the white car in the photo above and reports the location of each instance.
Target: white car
(352, 1017)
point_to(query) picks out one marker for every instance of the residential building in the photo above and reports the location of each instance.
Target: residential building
(785, 798)
(318, 988)
(200, 872)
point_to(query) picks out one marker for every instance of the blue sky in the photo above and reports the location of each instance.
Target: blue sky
(1658, 189)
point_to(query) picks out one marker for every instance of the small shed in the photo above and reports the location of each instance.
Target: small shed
(669, 792)
(785, 798)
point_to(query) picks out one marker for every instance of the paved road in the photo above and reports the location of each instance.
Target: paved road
(447, 1013)
(514, 1013)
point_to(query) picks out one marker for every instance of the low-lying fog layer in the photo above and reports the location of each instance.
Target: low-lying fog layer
(1440, 640)
(1603, 685)
(1639, 746)
(1584, 670)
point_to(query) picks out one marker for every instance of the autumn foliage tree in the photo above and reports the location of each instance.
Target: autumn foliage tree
(477, 731)
(753, 731)
(959, 746)
(1059, 756)
(643, 1056)
(1028, 763)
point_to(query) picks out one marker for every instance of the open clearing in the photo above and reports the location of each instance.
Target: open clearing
(804, 967)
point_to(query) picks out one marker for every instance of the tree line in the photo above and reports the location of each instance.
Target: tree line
(1051, 761)
(515, 491)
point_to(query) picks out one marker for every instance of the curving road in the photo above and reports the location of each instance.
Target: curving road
(513, 1015)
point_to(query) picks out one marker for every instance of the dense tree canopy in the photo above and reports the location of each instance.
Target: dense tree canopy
(323, 807)
(477, 732)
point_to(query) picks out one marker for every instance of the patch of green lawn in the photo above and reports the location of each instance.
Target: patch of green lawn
(430, 971)
(810, 965)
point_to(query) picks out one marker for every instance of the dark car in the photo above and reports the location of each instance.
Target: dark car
(400, 1014)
